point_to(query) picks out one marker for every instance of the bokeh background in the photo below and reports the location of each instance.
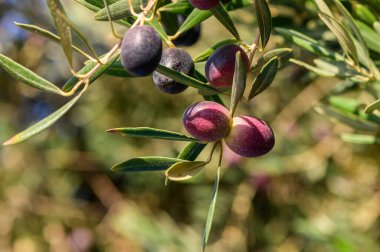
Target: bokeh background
(57, 193)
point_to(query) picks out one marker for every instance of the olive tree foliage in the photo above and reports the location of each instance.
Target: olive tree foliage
(355, 63)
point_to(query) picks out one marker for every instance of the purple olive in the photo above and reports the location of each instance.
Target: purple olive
(204, 4)
(189, 37)
(207, 121)
(220, 67)
(249, 137)
(178, 60)
(141, 50)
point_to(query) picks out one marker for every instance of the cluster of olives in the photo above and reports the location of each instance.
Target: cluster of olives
(247, 136)
(141, 52)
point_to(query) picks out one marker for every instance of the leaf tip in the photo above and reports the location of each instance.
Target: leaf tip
(9, 142)
(112, 131)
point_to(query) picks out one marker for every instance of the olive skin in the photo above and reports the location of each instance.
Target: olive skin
(204, 4)
(141, 50)
(250, 137)
(207, 121)
(220, 66)
(190, 37)
(178, 60)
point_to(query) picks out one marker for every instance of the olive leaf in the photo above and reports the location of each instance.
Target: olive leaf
(191, 151)
(186, 80)
(265, 78)
(79, 33)
(371, 37)
(264, 20)
(346, 118)
(86, 69)
(195, 17)
(360, 138)
(372, 107)
(27, 76)
(184, 170)
(343, 36)
(283, 55)
(211, 211)
(309, 43)
(238, 84)
(206, 54)
(147, 132)
(43, 124)
(180, 7)
(220, 12)
(63, 29)
(47, 34)
(119, 10)
(150, 163)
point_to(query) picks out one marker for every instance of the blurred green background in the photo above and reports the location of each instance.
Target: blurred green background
(57, 193)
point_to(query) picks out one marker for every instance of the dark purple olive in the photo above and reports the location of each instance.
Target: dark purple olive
(220, 67)
(190, 37)
(178, 60)
(141, 50)
(204, 4)
(250, 137)
(207, 121)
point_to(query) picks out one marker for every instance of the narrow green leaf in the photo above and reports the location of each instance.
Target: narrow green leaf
(79, 33)
(238, 84)
(119, 73)
(372, 107)
(351, 23)
(191, 151)
(348, 119)
(364, 14)
(376, 26)
(47, 34)
(323, 7)
(316, 70)
(120, 10)
(185, 79)
(264, 20)
(147, 132)
(196, 16)
(338, 68)
(180, 7)
(283, 55)
(237, 4)
(371, 37)
(43, 124)
(146, 164)
(328, 68)
(26, 76)
(265, 78)
(184, 170)
(343, 36)
(344, 104)
(90, 66)
(158, 27)
(309, 44)
(63, 29)
(211, 210)
(220, 12)
(95, 5)
(360, 138)
(206, 54)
